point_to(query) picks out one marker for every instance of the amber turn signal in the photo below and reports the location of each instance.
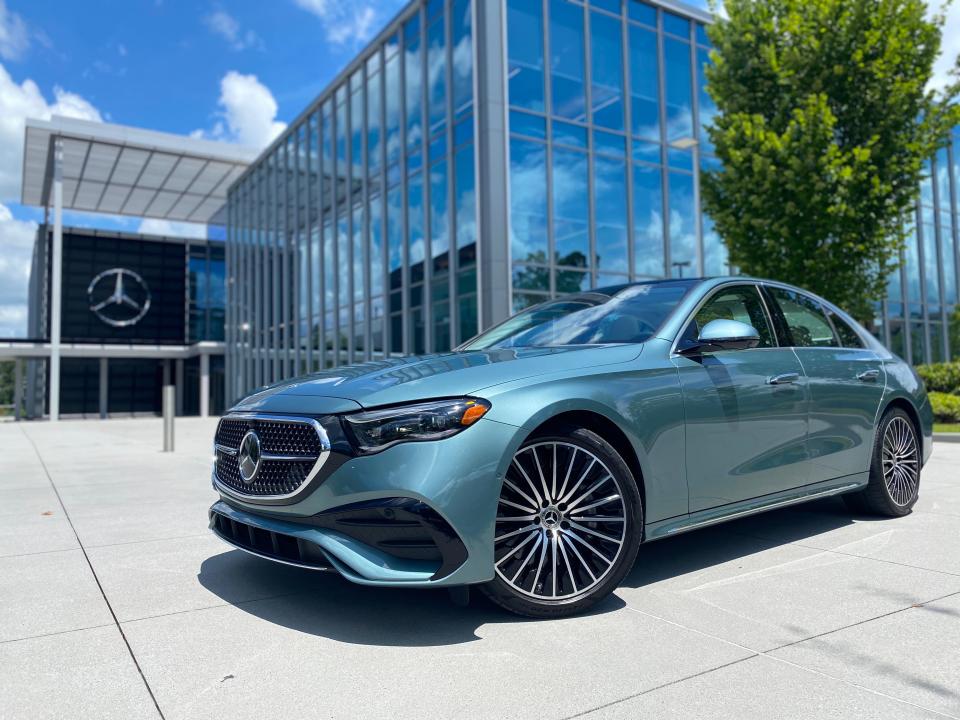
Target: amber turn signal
(472, 414)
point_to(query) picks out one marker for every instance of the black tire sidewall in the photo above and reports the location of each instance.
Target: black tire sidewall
(506, 596)
(877, 495)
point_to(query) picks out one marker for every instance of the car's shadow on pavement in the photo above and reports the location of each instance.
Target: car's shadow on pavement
(325, 604)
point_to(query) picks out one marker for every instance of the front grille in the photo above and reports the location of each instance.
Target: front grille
(290, 450)
(274, 545)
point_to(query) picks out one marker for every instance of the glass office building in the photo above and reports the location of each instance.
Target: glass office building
(481, 156)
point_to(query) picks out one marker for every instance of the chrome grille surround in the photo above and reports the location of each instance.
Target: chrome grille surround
(294, 449)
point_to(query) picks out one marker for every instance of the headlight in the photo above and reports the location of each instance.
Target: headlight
(378, 429)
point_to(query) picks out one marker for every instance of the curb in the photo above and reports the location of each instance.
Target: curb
(951, 437)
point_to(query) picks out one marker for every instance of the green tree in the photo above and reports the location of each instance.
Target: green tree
(823, 123)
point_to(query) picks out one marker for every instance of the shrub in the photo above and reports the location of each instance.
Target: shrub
(946, 408)
(941, 377)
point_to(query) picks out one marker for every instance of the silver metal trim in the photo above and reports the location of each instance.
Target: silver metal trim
(763, 508)
(232, 452)
(270, 499)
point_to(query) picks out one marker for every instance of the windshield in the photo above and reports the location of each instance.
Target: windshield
(631, 314)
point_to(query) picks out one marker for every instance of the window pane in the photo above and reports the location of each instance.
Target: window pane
(930, 264)
(678, 90)
(715, 256)
(848, 336)
(528, 204)
(373, 123)
(912, 265)
(742, 304)
(356, 121)
(641, 12)
(571, 221)
(437, 74)
(648, 220)
(607, 60)
(462, 57)
(415, 215)
(566, 60)
(806, 322)
(682, 226)
(376, 247)
(609, 194)
(707, 108)
(525, 53)
(439, 218)
(392, 89)
(644, 79)
(413, 67)
(395, 238)
(676, 24)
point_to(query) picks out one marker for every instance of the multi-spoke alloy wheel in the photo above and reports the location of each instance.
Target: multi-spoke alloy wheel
(565, 520)
(894, 481)
(901, 461)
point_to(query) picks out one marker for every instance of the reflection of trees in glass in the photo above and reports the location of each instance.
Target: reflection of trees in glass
(537, 277)
(953, 324)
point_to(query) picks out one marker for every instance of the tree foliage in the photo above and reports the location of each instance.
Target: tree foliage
(823, 123)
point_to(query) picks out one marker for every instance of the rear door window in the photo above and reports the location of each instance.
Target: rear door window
(807, 325)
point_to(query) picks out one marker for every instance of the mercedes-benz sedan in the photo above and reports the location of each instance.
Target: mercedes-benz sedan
(534, 460)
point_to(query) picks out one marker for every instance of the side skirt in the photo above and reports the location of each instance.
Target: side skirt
(715, 515)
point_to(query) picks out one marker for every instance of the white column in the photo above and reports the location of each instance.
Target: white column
(17, 388)
(204, 385)
(104, 387)
(56, 280)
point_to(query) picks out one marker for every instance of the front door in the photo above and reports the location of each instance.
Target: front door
(745, 410)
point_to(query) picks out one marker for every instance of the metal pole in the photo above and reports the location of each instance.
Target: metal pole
(17, 388)
(204, 385)
(169, 406)
(56, 280)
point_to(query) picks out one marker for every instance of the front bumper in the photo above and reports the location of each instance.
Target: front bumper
(457, 478)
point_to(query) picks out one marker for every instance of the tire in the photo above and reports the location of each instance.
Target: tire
(569, 524)
(894, 483)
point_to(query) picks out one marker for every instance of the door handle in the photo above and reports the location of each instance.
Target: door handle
(869, 375)
(783, 379)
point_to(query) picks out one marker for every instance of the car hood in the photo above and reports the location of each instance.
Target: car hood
(399, 380)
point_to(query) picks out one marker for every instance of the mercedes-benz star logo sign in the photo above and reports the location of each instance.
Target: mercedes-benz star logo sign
(248, 458)
(119, 297)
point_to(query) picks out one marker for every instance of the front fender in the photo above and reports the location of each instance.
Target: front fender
(646, 405)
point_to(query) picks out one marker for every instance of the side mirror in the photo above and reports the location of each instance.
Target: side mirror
(724, 335)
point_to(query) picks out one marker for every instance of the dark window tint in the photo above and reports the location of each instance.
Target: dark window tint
(630, 314)
(741, 303)
(807, 326)
(848, 336)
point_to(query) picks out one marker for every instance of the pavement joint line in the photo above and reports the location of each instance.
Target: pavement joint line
(661, 686)
(55, 633)
(105, 545)
(841, 552)
(767, 654)
(94, 573)
(211, 607)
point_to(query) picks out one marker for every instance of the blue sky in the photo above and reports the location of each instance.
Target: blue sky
(233, 70)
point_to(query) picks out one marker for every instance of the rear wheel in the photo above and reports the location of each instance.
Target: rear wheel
(568, 525)
(895, 469)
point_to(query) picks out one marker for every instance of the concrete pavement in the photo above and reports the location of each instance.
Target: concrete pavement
(116, 602)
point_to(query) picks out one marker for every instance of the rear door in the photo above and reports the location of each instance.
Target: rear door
(745, 410)
(845, 378)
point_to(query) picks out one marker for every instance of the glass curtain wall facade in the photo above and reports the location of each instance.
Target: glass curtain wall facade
(356, 235)
(607, 111)
(920, 319)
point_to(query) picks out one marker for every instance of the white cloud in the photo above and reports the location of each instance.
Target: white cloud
(349, 23)
(226, 26)
(949, 48)
(14, 37)
(153, 226)
(18, 102)
(16, 250)
(248, 113)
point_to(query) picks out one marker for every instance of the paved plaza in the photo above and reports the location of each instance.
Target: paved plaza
(117, 602)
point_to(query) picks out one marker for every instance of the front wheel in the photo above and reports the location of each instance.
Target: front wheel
(894, 482)
(568, 525)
